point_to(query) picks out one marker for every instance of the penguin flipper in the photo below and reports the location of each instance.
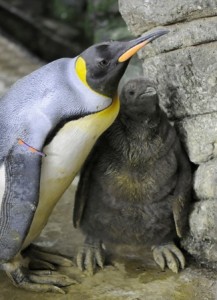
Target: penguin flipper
(180, 215)
(20, 199)
(82, 191)
(80, 197)
(182, 193)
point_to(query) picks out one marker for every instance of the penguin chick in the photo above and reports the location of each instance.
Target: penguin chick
(135, 186)
(70, 101)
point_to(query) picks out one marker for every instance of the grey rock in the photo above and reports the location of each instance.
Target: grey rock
(202, 219)
(184, 35)
(183, 66)
(205, 182)
(186, 79)
(200, 137)
(141, 15)
(201, 241)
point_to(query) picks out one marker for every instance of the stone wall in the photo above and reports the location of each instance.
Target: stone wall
(183, 64)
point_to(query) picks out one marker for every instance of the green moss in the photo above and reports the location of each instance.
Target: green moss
(102, 6)
(61, 11)
(187, 291)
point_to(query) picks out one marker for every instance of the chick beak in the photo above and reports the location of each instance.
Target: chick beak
(135, 45)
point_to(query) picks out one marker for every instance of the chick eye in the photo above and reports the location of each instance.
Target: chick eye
(103, 63)
(131, 93)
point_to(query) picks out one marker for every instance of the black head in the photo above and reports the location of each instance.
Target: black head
(139, 98)
(105, 63)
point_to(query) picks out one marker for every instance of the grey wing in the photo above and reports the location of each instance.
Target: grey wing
(182, 192)
(22, 183)
(19, 201)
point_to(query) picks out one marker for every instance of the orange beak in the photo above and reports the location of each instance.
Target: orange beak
(137, 44)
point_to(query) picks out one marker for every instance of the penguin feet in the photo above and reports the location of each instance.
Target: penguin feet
(170, 256)
(22, 276)
(41, 259)
(90, 256)
(39, 281)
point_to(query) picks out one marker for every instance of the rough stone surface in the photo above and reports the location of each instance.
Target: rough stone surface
(184, 67)
(199, 134)
(205, 182)
(201, 240)
(186, 82)
(182, 35)
(186, 79)
(141, 15)
(201, 221)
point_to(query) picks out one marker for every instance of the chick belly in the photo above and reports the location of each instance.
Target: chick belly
(65, 155)
(128, 210)
(150, 225)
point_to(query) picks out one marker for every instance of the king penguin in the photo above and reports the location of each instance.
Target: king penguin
(135, 186)
(49, 122)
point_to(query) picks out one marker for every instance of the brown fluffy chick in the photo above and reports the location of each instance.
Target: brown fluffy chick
(135, 186)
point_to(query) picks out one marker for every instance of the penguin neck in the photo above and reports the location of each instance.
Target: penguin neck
(81, 71)
(152, 115)
(91, 101)
(146, 118)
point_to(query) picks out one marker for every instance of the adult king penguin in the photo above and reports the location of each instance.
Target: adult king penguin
(49, 122)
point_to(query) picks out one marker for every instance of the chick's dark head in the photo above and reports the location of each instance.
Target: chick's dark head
(138, 98)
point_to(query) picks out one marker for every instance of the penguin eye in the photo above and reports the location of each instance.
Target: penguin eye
(131, 93)
(103, 63)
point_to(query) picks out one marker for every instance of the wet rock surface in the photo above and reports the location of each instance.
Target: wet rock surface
(183, 65)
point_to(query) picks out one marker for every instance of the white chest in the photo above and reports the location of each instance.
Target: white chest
(65, 156)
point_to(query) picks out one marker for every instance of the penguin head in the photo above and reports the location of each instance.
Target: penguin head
(101, 66)
(139, 98)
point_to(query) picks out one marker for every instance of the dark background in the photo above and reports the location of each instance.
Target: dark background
(61, 28)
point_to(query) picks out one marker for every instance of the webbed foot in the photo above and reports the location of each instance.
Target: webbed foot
(44, 279)
(90, 256)
(170, 256)
(39, 281)
(41, 259)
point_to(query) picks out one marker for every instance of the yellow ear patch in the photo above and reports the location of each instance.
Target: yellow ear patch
(81, 70)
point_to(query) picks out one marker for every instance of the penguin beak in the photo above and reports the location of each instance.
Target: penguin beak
(135, 45)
